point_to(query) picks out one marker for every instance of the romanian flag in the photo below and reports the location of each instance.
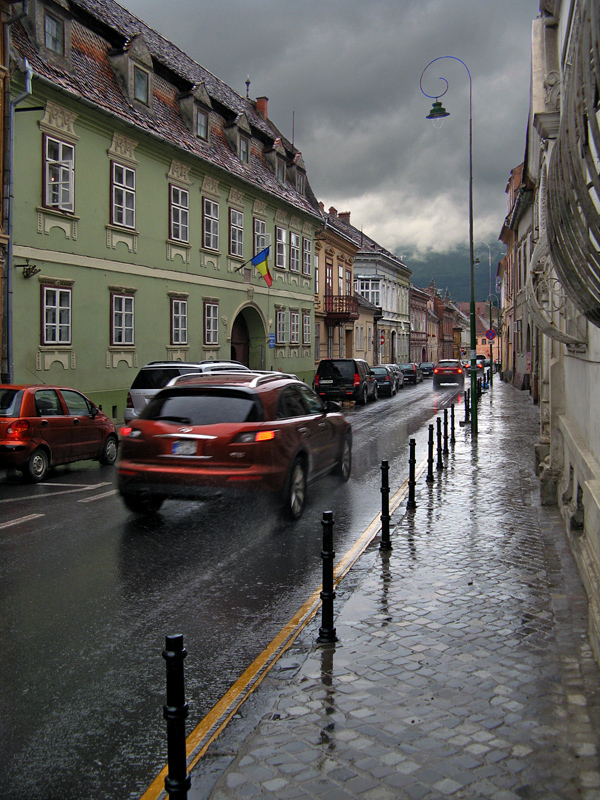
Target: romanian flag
(261, 262)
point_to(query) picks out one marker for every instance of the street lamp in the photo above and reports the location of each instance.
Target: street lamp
(439, 112)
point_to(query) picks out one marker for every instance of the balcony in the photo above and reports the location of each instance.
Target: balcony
(340, 308)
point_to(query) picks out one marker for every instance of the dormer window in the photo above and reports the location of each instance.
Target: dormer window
(54, 34)
(140, 80)
(300, 183)
(280, 170)
(201, 124)
(244, 149)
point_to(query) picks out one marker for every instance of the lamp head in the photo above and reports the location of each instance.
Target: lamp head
(437, 111)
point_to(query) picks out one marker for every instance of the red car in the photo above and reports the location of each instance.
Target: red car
(212, 434)
(449, 370)
(41, 426)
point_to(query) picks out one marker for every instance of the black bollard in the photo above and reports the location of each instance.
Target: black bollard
(430, 456)
(411, 502)
(446, 448)
(467, 405)
(452, 437)
(440, 463)
(385, 507)
(327, 631)
(175, 712)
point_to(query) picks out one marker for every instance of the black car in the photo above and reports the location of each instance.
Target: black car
(412, 372)
(427, 368)
(386, 380)
(345, 379)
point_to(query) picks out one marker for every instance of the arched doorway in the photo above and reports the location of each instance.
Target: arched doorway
(248, 338)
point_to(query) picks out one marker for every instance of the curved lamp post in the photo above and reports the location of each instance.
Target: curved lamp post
(439, 112)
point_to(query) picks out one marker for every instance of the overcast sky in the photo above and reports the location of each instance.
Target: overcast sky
(343, 77)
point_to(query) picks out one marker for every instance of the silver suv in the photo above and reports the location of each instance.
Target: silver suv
(154, 376)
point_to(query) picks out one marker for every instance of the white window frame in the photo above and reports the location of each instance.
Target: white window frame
(294, 327)
(306, 256)
(145, 94)
(260, 235)
(202, 124)
(210, 226)
(179, 214)
(54, 40)
(56, 315)
(122, 320)
(294, 252)
(306, 328)
(211, 323)
(123, 195)
(236, 233)
(59, 175)
(244, 150)
(281, 331)
(179, 318)
(280, 247)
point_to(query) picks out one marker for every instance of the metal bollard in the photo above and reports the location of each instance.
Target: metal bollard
(452, 437)
(411, 502)
(467, 404)
(175, 712)
(440, 463)
(385, 507)
(430, 456)
(446, 448)
(327, 631)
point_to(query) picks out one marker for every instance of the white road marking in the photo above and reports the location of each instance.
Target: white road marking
(45, 495)
(21, 519)
(97, 497)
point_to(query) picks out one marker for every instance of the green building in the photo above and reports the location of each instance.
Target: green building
(143, 186)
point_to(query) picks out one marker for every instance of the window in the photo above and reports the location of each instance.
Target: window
(77, 404)
(484, 341)
(340, 281)
(280, 247)
(328, 277)
(56, 315)
(211, 224)
(316, 274)
(140, 85)
(306, 327)
(244, 149)
(349, 283)
(236, 233)
(369, 289)
(280, 170)
(179, 214)
(211, 323)
(306, 256)
(54, 34)
(281, 332)
(59, 174)
(300, 183)
(260, 236)
(201, 124)
(122, 319)
(294, 327)
(179, 321)
(123, 195)
(294, 252)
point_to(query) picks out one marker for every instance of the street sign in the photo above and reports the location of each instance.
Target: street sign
(383, 338)
(271, 340)
(491, 335)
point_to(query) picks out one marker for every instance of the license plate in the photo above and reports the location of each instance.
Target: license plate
(322, 383)
(184, 447)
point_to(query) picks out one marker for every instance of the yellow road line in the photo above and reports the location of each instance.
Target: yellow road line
(217, 719)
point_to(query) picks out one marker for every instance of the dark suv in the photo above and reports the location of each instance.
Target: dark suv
(346, 379)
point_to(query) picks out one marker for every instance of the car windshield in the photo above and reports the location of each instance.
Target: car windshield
(10, 402)
(337, 369)
(204, 407)
(406, 366)
(158, 377)
(449, 363)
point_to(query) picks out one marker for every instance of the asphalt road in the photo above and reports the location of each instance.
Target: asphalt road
(88, 593)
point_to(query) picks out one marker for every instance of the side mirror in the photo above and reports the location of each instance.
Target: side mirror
(331, 407)
(95, 411)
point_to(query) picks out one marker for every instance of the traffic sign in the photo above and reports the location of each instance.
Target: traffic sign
(491, 335)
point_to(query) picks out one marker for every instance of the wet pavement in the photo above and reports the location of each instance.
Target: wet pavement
(463, 668)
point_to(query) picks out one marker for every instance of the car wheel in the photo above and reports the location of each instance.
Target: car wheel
(294, 499)
(344, 465)
(365, 396)
(109, 451)
(375, 392)
(142, 504)
(37, 465)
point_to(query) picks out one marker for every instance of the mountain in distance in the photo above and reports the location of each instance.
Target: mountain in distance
(451, 271)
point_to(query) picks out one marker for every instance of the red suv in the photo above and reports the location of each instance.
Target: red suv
(41, 426)
(449, 370)
(206, 435)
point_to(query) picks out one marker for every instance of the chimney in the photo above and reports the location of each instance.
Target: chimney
(345, 217)
(332, 211)
(321, 207)
(262, 105)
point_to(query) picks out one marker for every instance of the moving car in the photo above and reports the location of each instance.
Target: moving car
(386, 380)
(41, 426)
(228, 433)
(427, 368)
(448, 371)
(412, 373)
(345, 379)
(157, 374)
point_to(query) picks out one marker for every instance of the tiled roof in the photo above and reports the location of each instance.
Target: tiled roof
(93, 78)
(366, 245)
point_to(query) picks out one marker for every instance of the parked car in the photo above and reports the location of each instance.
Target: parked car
(398, 374)
(427, 368)
(41, 426)
(412, 373)
(156, 375)
(230, 433)
(345, 379)
(448, 371)
(386, 380)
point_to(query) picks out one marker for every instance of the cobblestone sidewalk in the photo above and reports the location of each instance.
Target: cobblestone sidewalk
(463, 668)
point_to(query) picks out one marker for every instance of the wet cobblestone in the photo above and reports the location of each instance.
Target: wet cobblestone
(463, 668)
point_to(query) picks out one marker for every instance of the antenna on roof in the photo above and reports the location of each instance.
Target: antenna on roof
(293, 125)
(247, 86)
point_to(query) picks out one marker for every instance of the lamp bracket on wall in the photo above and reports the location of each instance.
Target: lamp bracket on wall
(29, 270)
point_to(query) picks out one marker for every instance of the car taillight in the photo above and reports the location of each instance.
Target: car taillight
(255, 436)
(316, 381)
(18, 427)
(387, 377)
(356, 379)
(129, 400)
(436, 369)
(131, 433)
(459, 371)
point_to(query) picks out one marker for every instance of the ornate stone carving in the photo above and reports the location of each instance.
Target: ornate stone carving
(59, 121)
